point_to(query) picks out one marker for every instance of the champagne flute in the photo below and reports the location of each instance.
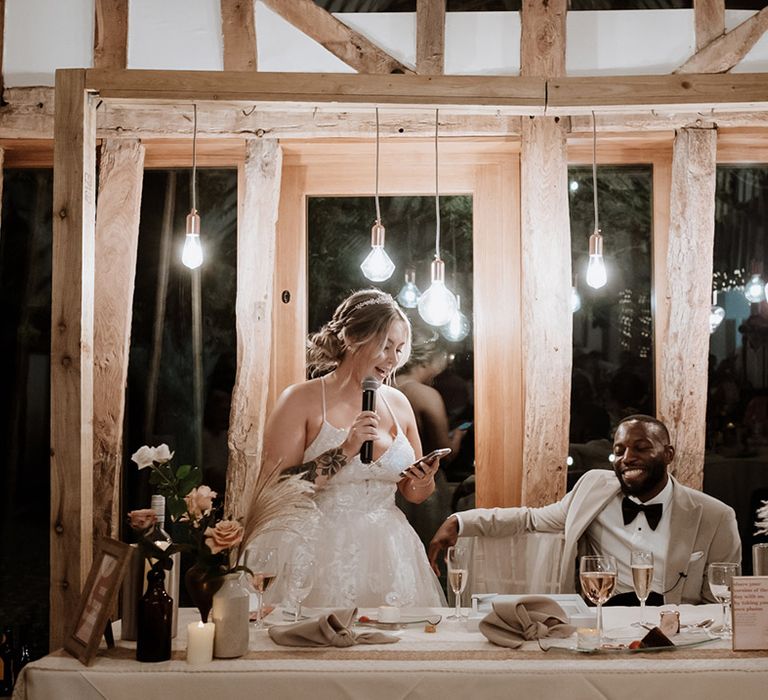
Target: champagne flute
(299, 579)
(720, 577)
(597, 575)
(641, 563)
(457, 563)
(263, 566)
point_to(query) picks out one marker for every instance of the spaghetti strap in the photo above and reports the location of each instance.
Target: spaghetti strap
(391, 413)
(322, 385)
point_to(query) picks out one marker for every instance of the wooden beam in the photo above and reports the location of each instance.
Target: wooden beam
(343, 42)
(121, 173)
(683, 349)
(507, 94)
(430, 37)
(547, 346)
(110, 34)
(738, 92)
(724, 53)
(542, 38)
(256, 240)
(72, 298)
(709, 21)
(238, 28)
(664, 121)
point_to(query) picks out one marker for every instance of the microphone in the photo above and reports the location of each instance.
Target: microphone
(370, 385)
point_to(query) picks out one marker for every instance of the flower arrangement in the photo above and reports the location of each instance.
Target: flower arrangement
(215, 541)
(762, 519)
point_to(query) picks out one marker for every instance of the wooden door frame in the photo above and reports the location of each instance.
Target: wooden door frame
(489, 170)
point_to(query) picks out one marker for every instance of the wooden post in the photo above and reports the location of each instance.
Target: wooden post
(2, 43)
(238, 30)
(430, 37)
(546, 255)
(684, 349)
(110, 34)
(117, 237)
(256, 238)
(709, 19)
(72, 282)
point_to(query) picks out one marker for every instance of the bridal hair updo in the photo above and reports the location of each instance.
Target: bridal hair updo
(363, 317)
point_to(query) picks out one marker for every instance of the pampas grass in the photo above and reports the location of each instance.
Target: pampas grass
(762, 519)
(278, 503)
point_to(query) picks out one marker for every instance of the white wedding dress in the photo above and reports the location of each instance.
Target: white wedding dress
(366, 552)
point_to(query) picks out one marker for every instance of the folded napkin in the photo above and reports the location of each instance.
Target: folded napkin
(334, 629)
(531, 617)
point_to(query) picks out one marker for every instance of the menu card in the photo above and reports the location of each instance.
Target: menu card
(749, 600)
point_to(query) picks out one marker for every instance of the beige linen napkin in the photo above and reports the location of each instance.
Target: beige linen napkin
(531, 617)
(333, 629)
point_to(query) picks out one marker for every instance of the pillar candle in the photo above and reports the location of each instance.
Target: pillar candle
(200, 642)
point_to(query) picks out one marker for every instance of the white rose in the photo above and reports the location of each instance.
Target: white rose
(144, 456)
(163, 454)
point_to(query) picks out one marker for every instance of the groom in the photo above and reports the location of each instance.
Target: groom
(638, 507)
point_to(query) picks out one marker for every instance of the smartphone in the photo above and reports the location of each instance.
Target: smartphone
(440, 452)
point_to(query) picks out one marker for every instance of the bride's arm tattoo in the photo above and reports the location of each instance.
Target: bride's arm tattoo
(323, 466)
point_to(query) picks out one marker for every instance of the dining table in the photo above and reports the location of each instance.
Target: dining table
(453, 661)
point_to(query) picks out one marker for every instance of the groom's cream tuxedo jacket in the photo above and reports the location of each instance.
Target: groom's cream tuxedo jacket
(702, 530)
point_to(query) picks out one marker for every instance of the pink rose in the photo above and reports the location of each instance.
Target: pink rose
(199, 502)
(142, 520)
(226, 534)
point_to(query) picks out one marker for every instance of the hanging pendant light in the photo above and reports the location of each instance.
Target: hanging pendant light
(716, 313)
(458, 327)
(377, 266)
(438, 304)
(192, 255)
(409, 294)
(596, 276)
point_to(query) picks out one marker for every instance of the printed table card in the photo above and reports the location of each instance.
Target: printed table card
(749, 601)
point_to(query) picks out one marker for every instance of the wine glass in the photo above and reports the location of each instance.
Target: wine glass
(597, 575)
(299, 579)
(720, 576)
(457, 563)
(641, 563)
(262, 563)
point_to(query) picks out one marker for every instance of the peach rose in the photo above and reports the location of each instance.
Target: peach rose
(226, 534)
(199, 501)
(143, 519)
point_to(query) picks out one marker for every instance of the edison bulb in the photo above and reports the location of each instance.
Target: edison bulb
(437, 305)
(408, 296)
(457, 328)
(575, 300)
(754, 290)
(716, 316)
(192, 255)
(378, 266)
(596, 276)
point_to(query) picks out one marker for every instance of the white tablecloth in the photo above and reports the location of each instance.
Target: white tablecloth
(453, 663)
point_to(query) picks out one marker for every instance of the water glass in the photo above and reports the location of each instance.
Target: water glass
(720, 576)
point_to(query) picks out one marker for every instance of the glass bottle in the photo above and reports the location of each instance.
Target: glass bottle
(162, 539)
(230, 615)
(153, 642)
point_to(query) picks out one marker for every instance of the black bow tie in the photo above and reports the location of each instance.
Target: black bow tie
(630, 509)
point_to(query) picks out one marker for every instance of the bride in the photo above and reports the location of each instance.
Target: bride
(366, 554)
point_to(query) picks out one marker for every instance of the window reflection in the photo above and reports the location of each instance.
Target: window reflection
(612, 327)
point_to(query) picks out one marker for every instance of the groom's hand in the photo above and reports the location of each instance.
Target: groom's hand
(445, 537)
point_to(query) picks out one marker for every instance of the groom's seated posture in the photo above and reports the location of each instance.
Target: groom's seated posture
(639, 506)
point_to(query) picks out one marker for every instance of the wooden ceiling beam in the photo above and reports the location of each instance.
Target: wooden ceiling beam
(709, 20)
(430, 37)
(238, 29)
(342, 41)
(110, 34)
(722, 54)
(542, 38)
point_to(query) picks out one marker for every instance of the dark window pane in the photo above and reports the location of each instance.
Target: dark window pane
(612, 330)
(173, 397)
(736, 464)
(25, 346)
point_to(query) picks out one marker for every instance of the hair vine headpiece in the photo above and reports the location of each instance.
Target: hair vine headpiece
(380, 299)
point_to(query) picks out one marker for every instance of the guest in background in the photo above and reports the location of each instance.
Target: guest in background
(638, 507)
(366, 553)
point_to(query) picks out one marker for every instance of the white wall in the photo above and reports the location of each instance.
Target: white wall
(41, 35)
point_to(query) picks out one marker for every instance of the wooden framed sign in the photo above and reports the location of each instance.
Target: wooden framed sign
(98, 598)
